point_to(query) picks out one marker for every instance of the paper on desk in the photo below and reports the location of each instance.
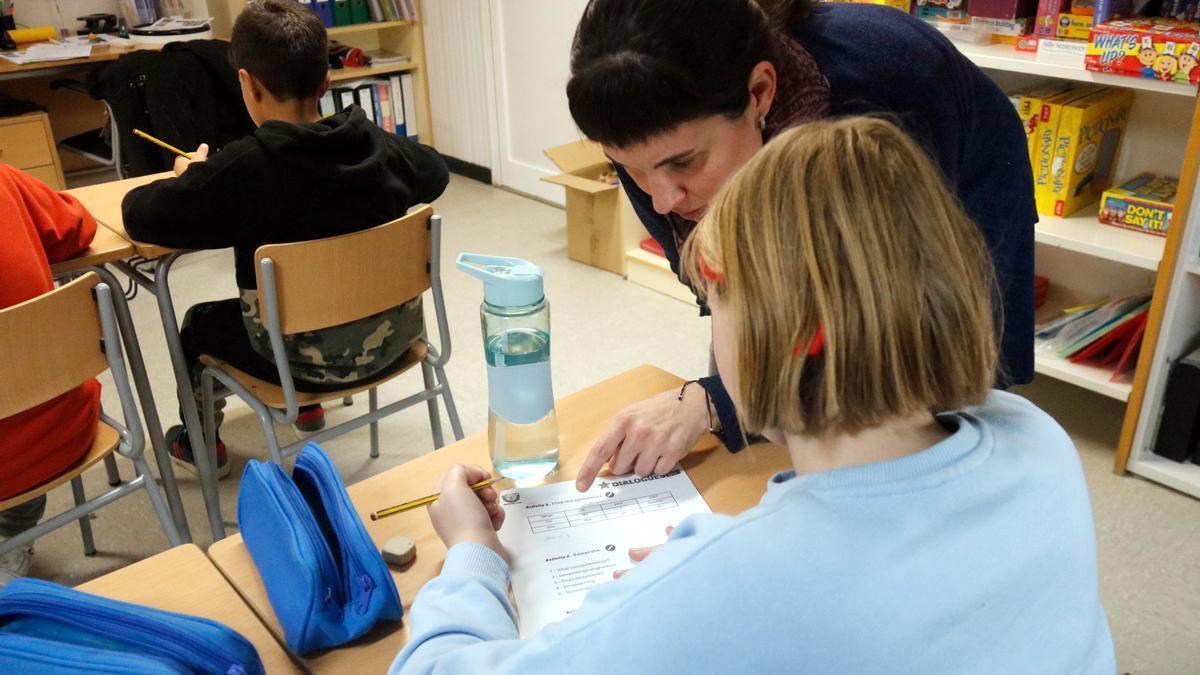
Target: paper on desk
(48, 52)
(94, 40)
(563, 542)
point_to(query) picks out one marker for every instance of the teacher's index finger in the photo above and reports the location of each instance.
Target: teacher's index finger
(600, 453)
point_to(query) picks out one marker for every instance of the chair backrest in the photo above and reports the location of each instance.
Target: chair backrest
(50, 345)
(329, 282)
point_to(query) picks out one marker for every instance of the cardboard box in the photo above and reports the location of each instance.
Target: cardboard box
(1144, 203)
(1088, 142)
(601, 224)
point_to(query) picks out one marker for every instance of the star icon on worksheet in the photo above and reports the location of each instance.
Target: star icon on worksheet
(603, 485)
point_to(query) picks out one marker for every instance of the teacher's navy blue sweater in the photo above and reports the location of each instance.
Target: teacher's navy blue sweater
(880, 61)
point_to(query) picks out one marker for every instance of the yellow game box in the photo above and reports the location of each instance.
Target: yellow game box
(1086, 146)
(1045, 140)
(1144, 203)
(1029, 108)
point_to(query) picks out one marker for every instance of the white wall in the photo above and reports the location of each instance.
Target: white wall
(48, 12)
(458, 54)
(531, 41)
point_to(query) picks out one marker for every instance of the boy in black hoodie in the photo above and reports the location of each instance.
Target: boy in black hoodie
(298, 177)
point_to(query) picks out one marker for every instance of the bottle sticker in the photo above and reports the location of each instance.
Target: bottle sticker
(521, 394)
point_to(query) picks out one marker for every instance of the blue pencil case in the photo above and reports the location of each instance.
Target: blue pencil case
(47, 628)
(326, 580)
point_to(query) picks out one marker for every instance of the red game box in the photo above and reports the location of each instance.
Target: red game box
(1144, 47)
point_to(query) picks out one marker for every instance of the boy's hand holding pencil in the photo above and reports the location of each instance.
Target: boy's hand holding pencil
(184, 159)
(183, 162)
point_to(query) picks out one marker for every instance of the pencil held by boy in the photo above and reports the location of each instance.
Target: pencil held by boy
(38, 227)
(928, 525)
(297, 178)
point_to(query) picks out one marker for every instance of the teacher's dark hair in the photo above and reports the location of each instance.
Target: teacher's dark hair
(643, 67)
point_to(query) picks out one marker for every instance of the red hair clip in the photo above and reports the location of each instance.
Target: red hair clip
(815, 347)
(708, 272)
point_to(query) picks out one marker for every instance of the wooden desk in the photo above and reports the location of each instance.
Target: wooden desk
(12, 71)
(729, 483)
(104, 202)
(183, 580)
(108, 246)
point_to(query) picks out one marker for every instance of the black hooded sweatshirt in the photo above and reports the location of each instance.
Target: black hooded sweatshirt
(287, 183)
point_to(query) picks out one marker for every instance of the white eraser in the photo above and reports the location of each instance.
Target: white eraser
(399, 551)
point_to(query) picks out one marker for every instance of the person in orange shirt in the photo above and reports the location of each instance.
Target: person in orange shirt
(38, 226)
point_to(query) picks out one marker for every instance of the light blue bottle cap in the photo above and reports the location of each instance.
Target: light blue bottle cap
(507, 282)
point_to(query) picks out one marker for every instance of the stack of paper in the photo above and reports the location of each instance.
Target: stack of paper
(48, 52)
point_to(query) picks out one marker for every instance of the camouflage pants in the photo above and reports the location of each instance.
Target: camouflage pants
(320, 361)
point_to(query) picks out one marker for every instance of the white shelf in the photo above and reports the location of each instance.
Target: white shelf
(1084, 233)
(1194, 267)
(1092, 378)
(1008, 58)
(1182, 476)
(368, 26)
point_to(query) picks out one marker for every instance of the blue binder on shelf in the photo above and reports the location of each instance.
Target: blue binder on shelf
(324, 9)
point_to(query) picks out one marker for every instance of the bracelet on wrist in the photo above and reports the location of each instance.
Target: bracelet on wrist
(708, 404)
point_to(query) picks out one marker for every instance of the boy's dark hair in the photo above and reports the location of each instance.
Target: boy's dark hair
(283, 45)
(641, 68)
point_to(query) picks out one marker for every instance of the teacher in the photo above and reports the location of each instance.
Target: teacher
(682, 93)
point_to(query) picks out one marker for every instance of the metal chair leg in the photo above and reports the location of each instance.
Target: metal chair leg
(114, 472)
(372, 406)
(85, 525)
(435, 419)
(158, 502)
(451, 409)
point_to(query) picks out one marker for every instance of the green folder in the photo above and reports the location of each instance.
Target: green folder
(359, 12)
(341, 13)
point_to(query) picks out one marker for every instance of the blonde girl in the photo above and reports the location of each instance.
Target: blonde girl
(929, 524)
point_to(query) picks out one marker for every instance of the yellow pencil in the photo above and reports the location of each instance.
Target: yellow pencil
(406, 506)
(161, 144)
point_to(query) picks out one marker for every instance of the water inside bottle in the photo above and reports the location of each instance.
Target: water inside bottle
(525, 453)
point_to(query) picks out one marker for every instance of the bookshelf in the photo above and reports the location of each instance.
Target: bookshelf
(1163, 135)
(401, 37)
(1007, 58)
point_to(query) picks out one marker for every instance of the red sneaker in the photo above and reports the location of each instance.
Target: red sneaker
(310, 418)
(180, 447)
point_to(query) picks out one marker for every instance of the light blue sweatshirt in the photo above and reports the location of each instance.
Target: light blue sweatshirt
(976, 555)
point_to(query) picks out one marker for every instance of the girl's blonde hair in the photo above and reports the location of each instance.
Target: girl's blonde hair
(845, 229)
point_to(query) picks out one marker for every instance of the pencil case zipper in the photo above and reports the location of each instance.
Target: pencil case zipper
(42, 655)
(333, 500)
(295, 510)
(37, 603)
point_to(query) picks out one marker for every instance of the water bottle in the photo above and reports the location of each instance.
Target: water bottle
(522, 428)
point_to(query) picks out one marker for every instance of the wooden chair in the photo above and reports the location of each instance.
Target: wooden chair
(318, 284)
(50, 345)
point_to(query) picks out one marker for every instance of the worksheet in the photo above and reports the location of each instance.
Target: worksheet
(563, 542)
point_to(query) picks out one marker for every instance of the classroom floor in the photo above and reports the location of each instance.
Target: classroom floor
(1148, 536)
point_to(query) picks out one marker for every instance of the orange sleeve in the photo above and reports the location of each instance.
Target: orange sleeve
(65, 227)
